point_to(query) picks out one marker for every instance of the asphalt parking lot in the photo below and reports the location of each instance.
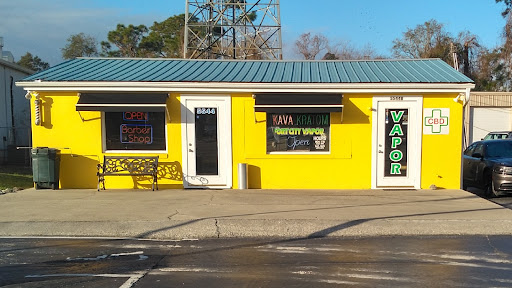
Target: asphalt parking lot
(505, 201)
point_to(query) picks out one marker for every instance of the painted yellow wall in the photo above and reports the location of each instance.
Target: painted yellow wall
(441, 157)
(347, 166)
(63, 128)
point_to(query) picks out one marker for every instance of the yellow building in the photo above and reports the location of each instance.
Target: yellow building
(295, 124)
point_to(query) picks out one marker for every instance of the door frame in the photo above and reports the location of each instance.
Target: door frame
(224, 138)
(414, 140)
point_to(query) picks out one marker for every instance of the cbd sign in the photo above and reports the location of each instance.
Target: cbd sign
(436, 121)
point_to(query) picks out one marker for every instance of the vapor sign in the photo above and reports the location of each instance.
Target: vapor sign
(397, 123)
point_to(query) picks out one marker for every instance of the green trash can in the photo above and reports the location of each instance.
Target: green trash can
(45, 167)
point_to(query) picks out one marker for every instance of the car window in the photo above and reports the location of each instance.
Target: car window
(469, 150)
(494, 135)
(479, 148)
(499, 149)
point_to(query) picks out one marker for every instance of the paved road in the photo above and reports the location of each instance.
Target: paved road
(458, 261)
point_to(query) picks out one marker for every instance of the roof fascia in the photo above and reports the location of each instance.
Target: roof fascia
(16, 67)
(244, 87)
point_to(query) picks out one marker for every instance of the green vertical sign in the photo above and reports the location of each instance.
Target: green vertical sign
(395, 150)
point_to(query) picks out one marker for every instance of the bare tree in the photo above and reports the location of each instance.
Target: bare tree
(425, 41)
(468, 48)
(344, 50)
(508, 7)
(309, 46)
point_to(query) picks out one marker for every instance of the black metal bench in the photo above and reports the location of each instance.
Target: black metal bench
(127, 166)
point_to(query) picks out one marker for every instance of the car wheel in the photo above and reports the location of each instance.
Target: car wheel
(490, 192)
(493, 191)
(489, 189)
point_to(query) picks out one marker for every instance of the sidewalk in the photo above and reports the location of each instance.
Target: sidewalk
(197, 214)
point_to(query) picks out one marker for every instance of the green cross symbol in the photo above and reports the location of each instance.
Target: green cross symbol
(436, 121)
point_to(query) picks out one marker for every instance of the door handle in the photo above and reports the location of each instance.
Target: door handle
(190, 150)
(380, 151)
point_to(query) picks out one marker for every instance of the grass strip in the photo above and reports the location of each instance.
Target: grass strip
(14, 176)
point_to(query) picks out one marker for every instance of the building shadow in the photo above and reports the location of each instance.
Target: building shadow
(254, 177)
(80, 171)
(166, 171)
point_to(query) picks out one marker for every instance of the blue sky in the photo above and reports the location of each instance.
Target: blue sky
(41, 27)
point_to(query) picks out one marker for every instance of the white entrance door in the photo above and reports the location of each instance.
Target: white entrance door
(206, 132)
(396, 157)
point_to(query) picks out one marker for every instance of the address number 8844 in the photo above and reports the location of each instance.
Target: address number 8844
(204, 111)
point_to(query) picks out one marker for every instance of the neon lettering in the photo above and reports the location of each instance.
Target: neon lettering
(395, 141)
(395, 168)
(396, 115)
(322, 120)
(293, 142)
(396, 130)
(139, 139)
(396, 155)
(282, 120)
(138, 116)
(131, 133)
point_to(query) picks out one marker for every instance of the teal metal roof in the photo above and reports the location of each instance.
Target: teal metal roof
(186, 70)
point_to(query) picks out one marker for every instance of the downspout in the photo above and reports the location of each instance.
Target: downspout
(13, 124)
(468, 95)
(464, 103)
(185, 37)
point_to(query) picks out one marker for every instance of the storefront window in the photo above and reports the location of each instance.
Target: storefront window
(298, 132)
(135, 130)
(206, 133)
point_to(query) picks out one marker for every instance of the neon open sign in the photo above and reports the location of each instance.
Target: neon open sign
(136, 133)
(135, 116)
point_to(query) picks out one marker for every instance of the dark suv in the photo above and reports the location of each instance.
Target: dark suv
(488, 165)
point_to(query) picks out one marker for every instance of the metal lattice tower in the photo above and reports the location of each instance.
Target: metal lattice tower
(233, 29)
